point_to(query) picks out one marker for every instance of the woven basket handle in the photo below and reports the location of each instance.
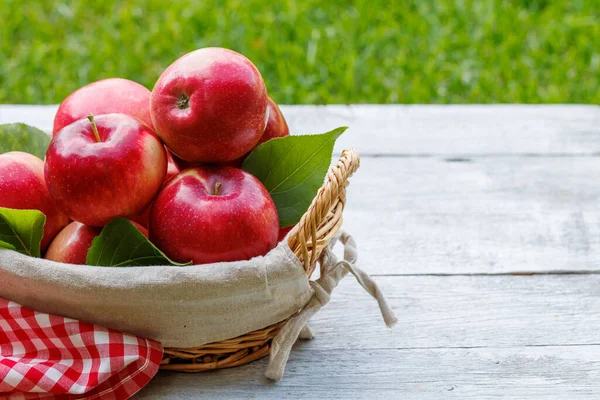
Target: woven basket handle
(324, 216)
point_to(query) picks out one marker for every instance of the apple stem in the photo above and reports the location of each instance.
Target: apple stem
(94, 127)
(217, 188)
(183, 102)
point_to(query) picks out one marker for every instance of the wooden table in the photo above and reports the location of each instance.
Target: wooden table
(482, 226)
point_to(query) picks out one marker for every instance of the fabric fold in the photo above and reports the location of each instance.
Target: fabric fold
(332, 272)
(44, 356)
(177, 306)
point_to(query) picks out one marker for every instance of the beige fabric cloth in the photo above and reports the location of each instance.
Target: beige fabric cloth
(178, 306)
(332, 271)
(194, 305)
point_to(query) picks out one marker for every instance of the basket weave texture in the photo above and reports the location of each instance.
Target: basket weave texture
(307, 240)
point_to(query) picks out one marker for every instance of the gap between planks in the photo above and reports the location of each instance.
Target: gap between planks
(515, 273)
(524, 373)
(469, 157)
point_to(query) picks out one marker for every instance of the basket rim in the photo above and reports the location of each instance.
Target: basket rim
(323, 219)
(306, 241)
(309, 237)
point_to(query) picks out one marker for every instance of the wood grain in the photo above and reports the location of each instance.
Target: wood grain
(510, 373)
(426, 129)
(464, 337)
(41, 117)
(456, 129)
(487, 215)
(465, 312)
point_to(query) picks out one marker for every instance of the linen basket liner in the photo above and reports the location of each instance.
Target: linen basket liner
(188, 306)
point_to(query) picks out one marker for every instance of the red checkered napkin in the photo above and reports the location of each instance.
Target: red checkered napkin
(44, 356)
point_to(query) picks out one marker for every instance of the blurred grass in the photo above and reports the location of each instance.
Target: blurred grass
(365, 51)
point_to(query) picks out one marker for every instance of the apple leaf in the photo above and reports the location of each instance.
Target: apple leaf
(293, 168)
(22, 230)
(4, 245)
(120, 244)
(21, 137)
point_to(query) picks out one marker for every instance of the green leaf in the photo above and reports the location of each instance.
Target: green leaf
(293, 169)
(4, 245)
(120, 244)
(22, 230)
(21, 137)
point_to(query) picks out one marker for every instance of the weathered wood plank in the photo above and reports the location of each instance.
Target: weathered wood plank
(458, 337)
(489, 215)
(456, 129)
(464, 311)
(523, 373)
(39, 116)
(427, 129)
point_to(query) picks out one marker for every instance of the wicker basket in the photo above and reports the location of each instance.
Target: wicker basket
(307, 240)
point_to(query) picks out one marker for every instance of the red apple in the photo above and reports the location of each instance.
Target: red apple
(212, 214)
(95, 175)
(172, 170)
(276, 124)
(237, 163)
(276, 127)
(22, 186)
(210, 106)
(114, 95)
(71, 245)
(182, 164)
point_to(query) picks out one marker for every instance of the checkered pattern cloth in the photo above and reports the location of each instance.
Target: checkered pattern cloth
(44, 356)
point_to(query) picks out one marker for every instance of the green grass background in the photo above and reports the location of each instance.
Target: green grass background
(315, 51)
